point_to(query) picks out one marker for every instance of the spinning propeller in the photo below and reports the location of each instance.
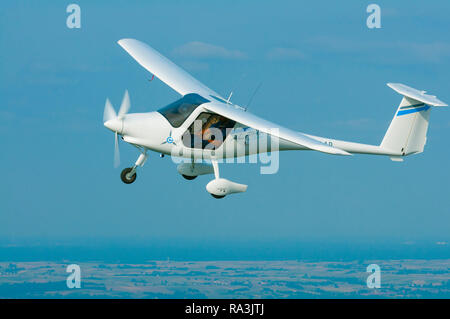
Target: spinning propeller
(114, 122)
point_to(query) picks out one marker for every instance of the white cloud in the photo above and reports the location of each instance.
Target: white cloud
(197, 49)
(195, 66)
(361, 123)
(285, 54)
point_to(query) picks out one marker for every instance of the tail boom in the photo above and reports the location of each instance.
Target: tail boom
(407, 133)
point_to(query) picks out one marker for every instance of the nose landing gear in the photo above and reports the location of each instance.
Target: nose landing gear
(128, 175)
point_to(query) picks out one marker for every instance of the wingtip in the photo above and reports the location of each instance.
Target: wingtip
(391, 84)
(124, 41)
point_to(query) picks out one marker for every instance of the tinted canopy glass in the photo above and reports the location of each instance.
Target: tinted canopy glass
(177, 112)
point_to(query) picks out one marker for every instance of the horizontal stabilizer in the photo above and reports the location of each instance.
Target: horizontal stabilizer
(416, 94)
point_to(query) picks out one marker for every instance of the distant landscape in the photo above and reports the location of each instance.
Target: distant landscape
(407, 278)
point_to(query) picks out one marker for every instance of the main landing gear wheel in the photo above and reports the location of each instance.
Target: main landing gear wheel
(218, 196)
(125, 179)
(189, 178)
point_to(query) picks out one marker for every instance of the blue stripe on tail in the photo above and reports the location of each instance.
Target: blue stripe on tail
(404, 112)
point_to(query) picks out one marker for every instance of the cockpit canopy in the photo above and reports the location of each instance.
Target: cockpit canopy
(177, 112)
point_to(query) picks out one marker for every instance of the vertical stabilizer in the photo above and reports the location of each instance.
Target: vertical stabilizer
(407, 133)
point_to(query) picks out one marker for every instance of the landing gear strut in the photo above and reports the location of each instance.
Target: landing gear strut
(216, 175)
(128, 175)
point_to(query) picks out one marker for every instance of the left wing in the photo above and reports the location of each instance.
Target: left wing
(164, 69)
(267, 127)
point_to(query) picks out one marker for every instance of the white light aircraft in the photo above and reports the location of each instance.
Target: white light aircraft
(204, 125)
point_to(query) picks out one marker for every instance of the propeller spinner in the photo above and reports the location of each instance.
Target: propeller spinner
(114, 122)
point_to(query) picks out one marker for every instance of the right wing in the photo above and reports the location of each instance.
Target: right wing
(164, 69)
(267, 127)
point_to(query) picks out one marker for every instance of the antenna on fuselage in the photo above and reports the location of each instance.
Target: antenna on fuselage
(235, 86)
(229, 97)
(253, 95)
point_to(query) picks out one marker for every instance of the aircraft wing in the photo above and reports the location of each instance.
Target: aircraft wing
(184, 83)
(267, 127)
(164, 69)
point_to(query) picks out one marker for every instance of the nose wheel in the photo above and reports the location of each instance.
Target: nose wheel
(128, 175)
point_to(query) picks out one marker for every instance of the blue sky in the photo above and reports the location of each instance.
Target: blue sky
(323, 72)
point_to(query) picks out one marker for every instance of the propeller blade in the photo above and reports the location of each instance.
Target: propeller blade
(108, 113)
(125, 105)
(116, 151)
